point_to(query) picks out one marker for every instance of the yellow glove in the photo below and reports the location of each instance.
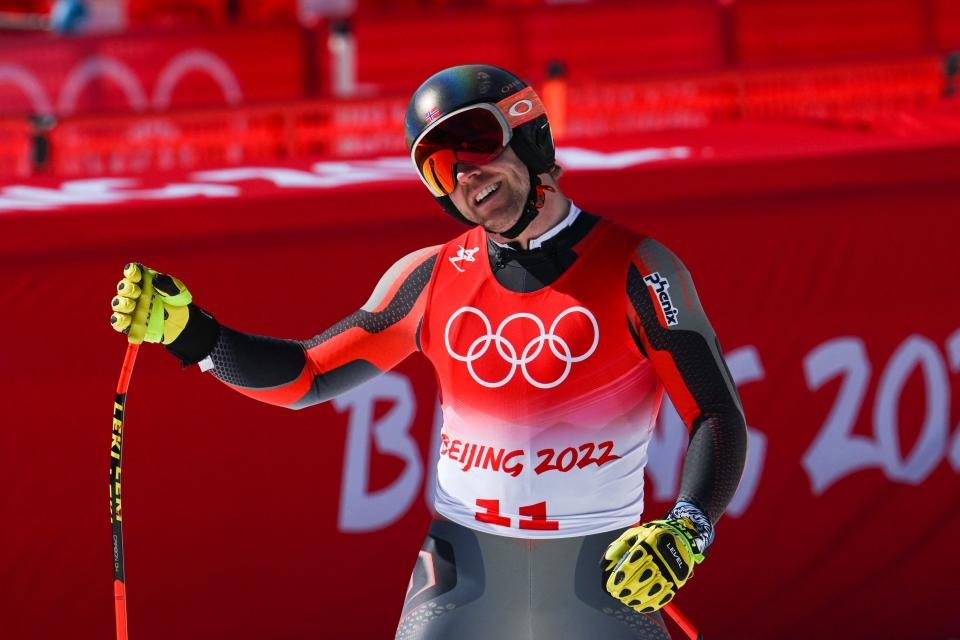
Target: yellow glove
(645, 566)
(150, 306)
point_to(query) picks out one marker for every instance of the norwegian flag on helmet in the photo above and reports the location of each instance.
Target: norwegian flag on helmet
(433, 114)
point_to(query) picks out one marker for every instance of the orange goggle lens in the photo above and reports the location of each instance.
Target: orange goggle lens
(438, 171)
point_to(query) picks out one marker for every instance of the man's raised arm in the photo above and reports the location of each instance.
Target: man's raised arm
(288, 373)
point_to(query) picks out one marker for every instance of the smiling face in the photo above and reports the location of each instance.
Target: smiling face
(501, 185)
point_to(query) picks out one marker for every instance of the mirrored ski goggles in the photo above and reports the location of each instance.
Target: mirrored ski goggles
(475, 135)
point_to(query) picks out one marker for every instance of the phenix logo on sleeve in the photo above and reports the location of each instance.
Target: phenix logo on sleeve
(661, 289)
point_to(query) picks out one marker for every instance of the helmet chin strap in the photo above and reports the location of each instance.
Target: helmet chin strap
(531, 207)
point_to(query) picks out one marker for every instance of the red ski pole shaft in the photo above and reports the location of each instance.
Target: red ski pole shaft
(682, 621)
(116, 513)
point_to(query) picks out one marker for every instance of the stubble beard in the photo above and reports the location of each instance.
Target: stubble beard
(513, 209)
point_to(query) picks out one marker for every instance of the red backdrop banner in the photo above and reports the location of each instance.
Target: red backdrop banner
(828, 279)
(149, 71)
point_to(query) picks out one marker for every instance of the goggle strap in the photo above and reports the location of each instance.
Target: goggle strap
(521, 107)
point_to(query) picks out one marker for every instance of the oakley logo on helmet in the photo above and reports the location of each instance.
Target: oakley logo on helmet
(463, 255)
(661, 289)
(530, 352)
(521, 107)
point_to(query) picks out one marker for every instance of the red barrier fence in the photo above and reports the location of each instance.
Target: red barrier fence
(191, 140)
(827, 277)
(360, 128)
(831, 94)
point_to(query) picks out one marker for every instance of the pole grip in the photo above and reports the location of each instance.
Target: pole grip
(126, 370)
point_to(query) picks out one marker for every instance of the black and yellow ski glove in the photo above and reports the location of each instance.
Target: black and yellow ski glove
(646, 565)
(150, 306)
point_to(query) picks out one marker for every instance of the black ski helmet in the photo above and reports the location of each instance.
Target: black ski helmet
(457, 87)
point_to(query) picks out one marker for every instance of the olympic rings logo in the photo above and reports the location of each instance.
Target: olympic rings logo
(97, 65)
(530, 352)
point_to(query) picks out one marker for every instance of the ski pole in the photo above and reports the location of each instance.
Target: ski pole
(116, 514)
(682, 621)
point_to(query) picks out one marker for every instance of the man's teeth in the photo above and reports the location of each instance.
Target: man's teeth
(483, 194)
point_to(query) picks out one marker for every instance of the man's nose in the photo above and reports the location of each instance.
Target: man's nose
(466, 172)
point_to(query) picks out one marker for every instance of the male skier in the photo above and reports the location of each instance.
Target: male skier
(553, 333)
